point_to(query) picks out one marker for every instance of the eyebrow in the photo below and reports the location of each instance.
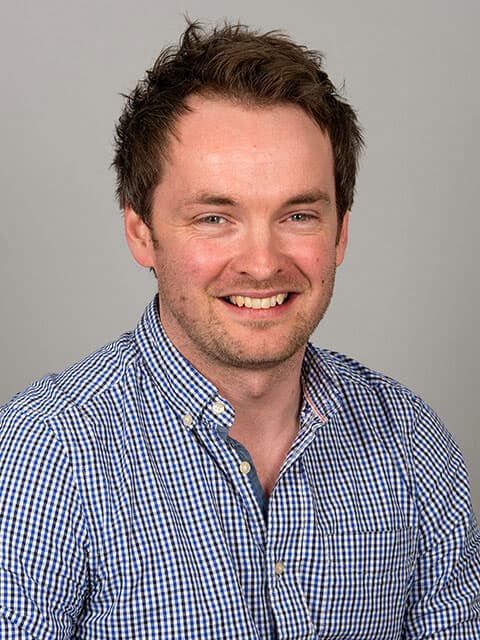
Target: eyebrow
(213, 199)
(307, 197)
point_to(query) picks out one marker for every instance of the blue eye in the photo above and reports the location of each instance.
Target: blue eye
(301, 217)
(213, 219)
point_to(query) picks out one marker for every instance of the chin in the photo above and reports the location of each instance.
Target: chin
(258, 358)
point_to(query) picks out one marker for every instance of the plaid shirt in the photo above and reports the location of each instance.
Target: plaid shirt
(126, 513)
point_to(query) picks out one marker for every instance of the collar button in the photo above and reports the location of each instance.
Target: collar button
(218, 408)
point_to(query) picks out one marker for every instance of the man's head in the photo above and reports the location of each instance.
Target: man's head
(236, 166)
(246, 67)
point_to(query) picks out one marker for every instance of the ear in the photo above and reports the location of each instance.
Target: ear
(139, 238)
(342, 240)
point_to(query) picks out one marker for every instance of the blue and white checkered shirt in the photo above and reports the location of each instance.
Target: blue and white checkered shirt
(126, 513)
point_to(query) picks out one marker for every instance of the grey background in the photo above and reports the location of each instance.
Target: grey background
(406, 301)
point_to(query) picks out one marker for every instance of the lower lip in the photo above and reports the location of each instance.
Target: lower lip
(261, 314)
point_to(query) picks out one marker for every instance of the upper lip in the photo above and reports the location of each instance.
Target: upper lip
(255, 295)
(258, 294)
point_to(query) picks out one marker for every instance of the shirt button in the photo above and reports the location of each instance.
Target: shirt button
(218, 408)
(279, 568)
(187, 420)
(245, 467)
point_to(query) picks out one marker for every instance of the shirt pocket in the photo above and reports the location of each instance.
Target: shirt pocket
(365, 584)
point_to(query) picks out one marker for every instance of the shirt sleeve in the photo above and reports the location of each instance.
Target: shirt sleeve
(445, 590)
(44, 543)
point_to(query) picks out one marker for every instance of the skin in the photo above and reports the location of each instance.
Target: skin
(246, 207)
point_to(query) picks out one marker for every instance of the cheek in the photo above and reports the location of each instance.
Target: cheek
(316, 259)
(186, 267)
(206, 258)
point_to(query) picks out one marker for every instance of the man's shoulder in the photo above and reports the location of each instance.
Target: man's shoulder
(350, 371)
(84, 382)
(355, 383)
(365, 400)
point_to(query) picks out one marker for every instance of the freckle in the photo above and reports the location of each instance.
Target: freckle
(323, 281)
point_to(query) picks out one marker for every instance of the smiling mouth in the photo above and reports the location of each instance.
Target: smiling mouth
(257, 303)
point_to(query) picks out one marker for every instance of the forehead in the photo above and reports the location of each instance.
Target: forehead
(220, 142)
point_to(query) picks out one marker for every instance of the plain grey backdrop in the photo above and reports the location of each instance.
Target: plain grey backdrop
(406, 300)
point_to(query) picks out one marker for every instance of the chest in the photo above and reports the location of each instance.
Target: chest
(182, 549)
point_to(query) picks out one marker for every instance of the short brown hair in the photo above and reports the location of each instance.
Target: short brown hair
(238, 63)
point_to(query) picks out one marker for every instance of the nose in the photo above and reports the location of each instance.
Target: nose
(259, 253)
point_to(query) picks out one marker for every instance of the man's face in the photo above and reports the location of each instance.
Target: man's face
(244, 229)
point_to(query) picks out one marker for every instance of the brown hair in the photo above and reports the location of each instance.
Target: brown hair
(238, 63)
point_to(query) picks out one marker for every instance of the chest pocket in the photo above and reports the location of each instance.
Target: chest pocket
(365, 583)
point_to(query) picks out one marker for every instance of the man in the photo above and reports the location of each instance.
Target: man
(212, 475)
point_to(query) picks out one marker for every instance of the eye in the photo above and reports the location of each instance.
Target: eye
(302, 216)
(212, 219)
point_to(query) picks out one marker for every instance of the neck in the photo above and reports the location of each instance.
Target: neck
(266, 400)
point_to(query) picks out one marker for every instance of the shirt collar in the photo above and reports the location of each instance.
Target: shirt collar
(320, 385)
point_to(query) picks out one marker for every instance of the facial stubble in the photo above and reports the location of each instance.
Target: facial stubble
(210, 339)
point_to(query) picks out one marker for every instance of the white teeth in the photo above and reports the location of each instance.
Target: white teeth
(258, 303)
